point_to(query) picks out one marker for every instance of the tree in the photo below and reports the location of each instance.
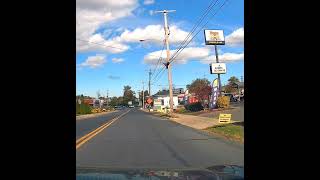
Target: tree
(233, 80)
(229, 88)
(98, 94)
(145, 95)
(114, 101)
(201, 88)
(128, 95)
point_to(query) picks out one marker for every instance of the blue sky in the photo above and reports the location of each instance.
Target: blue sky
(105, 24)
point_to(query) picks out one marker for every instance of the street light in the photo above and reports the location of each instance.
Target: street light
(142, 40)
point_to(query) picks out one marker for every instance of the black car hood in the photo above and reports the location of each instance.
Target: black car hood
(223, 172)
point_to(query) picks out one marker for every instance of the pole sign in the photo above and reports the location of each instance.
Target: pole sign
(214, 37)
(218, 68)
(215, 93)
(224, 118)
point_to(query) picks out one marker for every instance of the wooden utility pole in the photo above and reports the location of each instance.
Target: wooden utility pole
(142, 94)
(150, 82)
(108, 98)
(168, 65)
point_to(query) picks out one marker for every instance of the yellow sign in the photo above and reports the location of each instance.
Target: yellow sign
(215, 83)
(224, 118)
(214, 35)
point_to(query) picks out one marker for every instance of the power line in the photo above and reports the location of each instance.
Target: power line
(100, 44)
(213, 3)
(108, 46)
(160, 58)
(178, 52)
(196, 25)
(173, 58)
(160, 71)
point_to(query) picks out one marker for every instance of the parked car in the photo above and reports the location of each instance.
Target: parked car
(131, 106)
(232, 97)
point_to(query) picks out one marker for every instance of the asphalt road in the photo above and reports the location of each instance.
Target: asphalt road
(139, 139)
(85, 126)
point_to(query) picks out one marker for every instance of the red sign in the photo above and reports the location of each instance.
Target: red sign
(193, 99)
(88, 101)
(149, 101)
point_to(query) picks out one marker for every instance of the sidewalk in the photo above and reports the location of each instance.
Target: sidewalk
(86, 116)
(195, 121)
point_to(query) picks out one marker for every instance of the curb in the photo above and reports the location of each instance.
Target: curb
(86, 116)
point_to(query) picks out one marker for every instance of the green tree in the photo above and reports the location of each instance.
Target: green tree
(233, 80)
(128, 95)
(201, 88)
(114, 101)
(229, 88)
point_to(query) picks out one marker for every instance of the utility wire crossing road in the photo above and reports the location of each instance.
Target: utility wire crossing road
(137, 139)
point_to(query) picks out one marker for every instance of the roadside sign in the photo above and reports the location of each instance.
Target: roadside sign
(218, 68)
(215, 93)
(149, 101)
(224, 118)
(157, 102)
(214, 37)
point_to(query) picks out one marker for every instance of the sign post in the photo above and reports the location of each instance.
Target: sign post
(215, 37)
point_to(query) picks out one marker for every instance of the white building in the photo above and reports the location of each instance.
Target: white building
(161, 102)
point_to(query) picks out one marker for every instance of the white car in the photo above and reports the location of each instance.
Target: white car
(131, 106)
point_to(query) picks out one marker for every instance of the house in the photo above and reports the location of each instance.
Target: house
(190, 98)
(161, 102)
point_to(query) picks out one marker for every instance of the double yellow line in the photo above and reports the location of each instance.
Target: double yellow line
(93, 133)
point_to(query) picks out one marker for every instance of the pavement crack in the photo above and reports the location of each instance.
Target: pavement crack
(171, 150)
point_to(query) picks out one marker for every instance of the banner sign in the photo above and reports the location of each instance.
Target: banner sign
(215, 93)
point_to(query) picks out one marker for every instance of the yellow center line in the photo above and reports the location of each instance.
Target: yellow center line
(93, 133)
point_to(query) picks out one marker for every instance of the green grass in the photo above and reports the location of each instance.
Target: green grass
(231, 131)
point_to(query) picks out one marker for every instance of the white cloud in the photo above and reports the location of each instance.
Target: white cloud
(147, 2)
(154, 33)
(117, 60)
(151, 12)
(203, 54)
(182, 58)
(226, 57)
(91, 14)
(236, 38)
(94, 61)
(98, 43)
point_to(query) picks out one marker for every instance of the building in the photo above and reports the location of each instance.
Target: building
(190, 98)
(161, 102)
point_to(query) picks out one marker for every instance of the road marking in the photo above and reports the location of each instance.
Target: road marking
(93, 133)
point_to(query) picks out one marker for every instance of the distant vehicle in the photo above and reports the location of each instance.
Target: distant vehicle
(232, 97)
(118, 107)
(131, 106)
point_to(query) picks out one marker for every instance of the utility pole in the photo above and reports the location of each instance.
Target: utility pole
(168, 65)
(107, 98)
(150, 82)
(217, 61)
(142, 94)
(241, 78)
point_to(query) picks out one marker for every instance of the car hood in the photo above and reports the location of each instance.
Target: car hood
(222, 172)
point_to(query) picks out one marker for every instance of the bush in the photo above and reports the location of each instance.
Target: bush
(194, 107)
(181, 110)
(223, 102)
(83, 109)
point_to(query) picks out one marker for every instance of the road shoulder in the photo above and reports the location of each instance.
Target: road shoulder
(204, 124)
(87, 116)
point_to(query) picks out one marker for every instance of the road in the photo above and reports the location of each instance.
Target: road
(139, 139)
(85, 126)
